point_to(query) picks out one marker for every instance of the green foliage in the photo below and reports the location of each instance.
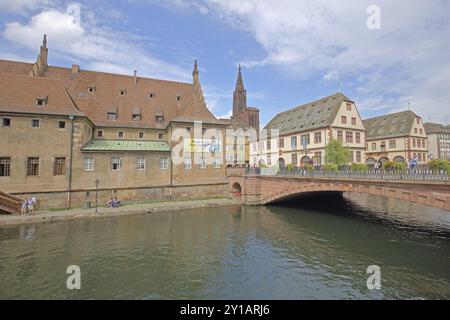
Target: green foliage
(336, 153)
(290, 167)
(388, 165)
(440, 165)
(359, 167)
(308, 167)
(330, 167)
(262, 165)
(400, 166)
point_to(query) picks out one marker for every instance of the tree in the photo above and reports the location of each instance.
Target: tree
(336, 153)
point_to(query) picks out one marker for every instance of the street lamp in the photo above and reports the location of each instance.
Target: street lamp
(97, 182)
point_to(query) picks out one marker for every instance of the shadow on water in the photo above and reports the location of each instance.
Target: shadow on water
(397, 215)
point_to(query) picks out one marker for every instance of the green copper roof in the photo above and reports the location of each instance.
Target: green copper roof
(126, 145)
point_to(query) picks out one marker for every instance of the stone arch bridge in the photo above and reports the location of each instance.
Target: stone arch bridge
(256, 189)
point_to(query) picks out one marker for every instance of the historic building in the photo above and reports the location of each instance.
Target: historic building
(396, 137)
(62, 129)
(438, 140)
(300, 135)
(243, 125)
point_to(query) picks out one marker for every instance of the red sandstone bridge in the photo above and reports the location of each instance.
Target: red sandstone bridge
(260, 188)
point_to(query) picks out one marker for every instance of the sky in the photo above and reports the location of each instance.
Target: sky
(386, 55)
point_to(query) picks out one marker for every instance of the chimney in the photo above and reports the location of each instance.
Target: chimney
(135, 77)
(75, 68)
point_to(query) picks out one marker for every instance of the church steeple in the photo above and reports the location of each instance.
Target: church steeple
(41, 65)
(239, 95)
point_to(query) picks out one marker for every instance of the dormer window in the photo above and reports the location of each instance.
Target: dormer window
(159, 117)
(179, 98)
(41, 101)
(91, 89)
(152, 95)
(123, 92)
(136, 113)
(111, 115)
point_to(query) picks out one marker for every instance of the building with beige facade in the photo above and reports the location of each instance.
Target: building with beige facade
(62, 129)
(438, 140)
(397, 137)
(301, 135)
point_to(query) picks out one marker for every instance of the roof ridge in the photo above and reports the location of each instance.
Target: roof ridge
(392, 114)
(28, 77)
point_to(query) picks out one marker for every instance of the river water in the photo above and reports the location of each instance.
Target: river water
(317, 247)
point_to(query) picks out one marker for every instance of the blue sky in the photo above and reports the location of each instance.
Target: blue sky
(292, 51)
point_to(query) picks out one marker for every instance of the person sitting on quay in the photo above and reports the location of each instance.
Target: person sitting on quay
(116, 203)
(110, 203)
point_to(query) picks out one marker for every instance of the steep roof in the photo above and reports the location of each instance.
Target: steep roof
(21, 92)
(126, 145)
(310, 116)
(389, 126)
(170, 99)
(436, 128)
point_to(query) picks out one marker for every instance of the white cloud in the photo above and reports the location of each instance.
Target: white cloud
(406, 59)
(19, 5)
(95, 47)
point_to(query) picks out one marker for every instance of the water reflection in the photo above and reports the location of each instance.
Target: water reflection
(315, 247)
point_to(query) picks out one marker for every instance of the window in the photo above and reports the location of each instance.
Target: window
(100, 133)
(349, 137)
(350, 158)
(159, 119)
(358, 137)
(91, 89)
(33, 166)
(261, 146)
(203, 131)
(116, 164)
(420, 157)
(419, 143)
(294, 143)
(423, 143)
(152, 95)
(392, 144)
(317, 137)
(414, 142)
(187, 163)
(305, 140)
(140, 164)
(60, 166)
(340, 136)
(41, 102)
(178, 98)
(160, 136)
(216, 163)
(188, 129)
(120, 134)
(374, 145)
(164, 163)
(421, 131)
(418, 121)
(415, 130)
(344, 120)
(141, 135)
(122, 92)
(61, 124)
(354, 121)
(318, 157)
(35, 123)
(358, 156)
(349, 107)
(111, 115)
(89, 164)
(6, 122)
(269, 144)
(5, 166)
(136, 117)
(281, 143)
(202, 163)
(294, 159)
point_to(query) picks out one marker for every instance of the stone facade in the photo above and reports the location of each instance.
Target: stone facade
(49, 115)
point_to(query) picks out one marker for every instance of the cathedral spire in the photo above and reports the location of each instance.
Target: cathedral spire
(41, 63)
(239, 95)
(195, 73)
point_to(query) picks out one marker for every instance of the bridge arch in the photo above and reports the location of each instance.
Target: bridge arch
(236, 189)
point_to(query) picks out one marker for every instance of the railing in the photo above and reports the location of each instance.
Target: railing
(380, 174)
(10, 203)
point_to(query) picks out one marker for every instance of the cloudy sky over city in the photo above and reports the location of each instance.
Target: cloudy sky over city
(291, 51)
